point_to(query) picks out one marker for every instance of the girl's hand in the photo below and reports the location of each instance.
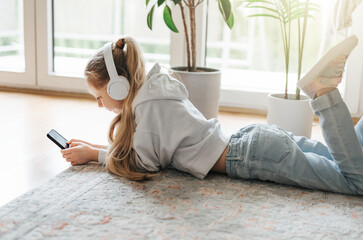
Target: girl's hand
(80, 153)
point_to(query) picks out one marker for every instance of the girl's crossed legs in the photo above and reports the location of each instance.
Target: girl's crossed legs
(314, 146)
(267, 152)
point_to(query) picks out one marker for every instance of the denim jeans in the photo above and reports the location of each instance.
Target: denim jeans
(269, 153)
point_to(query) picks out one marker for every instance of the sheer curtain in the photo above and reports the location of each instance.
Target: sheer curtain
(338, 21)
(344, 18)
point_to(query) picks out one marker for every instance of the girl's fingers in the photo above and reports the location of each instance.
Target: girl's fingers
(74, 140)
(74, 144)
(77, 140)
(66, 154)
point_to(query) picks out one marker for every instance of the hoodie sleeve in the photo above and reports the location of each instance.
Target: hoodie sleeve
(146, 154)
(102, 155)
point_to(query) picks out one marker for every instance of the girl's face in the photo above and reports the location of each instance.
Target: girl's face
(105, 101)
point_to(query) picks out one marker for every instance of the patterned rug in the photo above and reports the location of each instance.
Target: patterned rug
(86, 202)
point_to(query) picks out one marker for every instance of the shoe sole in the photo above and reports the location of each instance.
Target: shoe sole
(345, 47)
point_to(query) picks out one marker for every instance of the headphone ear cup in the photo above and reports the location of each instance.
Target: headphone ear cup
(118, 88)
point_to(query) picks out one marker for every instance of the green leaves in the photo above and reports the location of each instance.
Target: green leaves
(226, 10)
(224, 6)
(168, 19)
(286, 12)
(283, 10)
(160, 2)
(230, 21)
(150, 18)
(167, 14)
(273, 9)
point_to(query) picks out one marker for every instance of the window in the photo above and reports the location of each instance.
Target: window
(251, 54)
(78, 28)
(78, 31)
(45, 44)
(253, 49)
(17, 40)
(11, 35)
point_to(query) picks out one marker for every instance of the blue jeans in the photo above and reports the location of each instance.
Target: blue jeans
(269, 153)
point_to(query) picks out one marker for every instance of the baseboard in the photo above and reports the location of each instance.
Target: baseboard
(241, 110)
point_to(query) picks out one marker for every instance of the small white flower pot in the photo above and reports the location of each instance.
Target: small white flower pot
(292, 115)
(203, 87)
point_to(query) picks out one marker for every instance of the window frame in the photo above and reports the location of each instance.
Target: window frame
(26, 78)
(47, 79)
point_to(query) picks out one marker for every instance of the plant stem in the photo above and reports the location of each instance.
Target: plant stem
(193, 34)
(297, 93)
(301, 47)
(186, 34)
(287, 59)
(285, 42)
(288, 46)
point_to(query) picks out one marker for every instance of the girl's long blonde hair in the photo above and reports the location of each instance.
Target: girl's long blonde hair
(130, 64)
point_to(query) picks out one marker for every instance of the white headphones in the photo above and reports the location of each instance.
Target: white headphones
(118, 87)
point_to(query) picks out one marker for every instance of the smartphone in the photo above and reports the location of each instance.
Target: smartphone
(58, 139)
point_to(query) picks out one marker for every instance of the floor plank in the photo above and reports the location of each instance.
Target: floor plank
(28, 158)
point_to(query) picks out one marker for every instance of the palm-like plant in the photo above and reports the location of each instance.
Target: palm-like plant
(189, 31)
(286, 11)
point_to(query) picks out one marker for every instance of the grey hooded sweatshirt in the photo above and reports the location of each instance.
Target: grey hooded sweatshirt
(170, 131)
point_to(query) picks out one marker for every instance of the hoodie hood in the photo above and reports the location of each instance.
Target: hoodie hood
(159, 86)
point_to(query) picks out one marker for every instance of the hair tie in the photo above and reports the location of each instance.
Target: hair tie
(120, 43)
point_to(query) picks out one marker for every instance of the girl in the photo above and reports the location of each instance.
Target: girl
(157, 127)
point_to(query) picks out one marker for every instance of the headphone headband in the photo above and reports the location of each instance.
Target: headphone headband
(110, 65)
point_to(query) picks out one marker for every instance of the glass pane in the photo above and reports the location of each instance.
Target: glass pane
(251, 55)
(11, 36)
(82, 26)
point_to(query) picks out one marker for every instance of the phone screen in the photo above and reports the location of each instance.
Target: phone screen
(58, 139)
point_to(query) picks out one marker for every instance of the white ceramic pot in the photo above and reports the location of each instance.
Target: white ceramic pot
(292, 115)
(203, 87)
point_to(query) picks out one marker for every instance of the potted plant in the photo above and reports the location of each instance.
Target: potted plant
(203, 84)
(290, 111)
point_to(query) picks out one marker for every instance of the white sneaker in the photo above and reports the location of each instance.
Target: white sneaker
(327, 73)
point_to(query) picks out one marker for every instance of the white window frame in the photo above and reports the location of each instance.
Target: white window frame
(47, 79)
(28, 77)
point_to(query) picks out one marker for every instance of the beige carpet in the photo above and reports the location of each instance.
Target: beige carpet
(86, 202)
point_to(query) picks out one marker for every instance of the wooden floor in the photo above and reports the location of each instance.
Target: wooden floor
(28, 158)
